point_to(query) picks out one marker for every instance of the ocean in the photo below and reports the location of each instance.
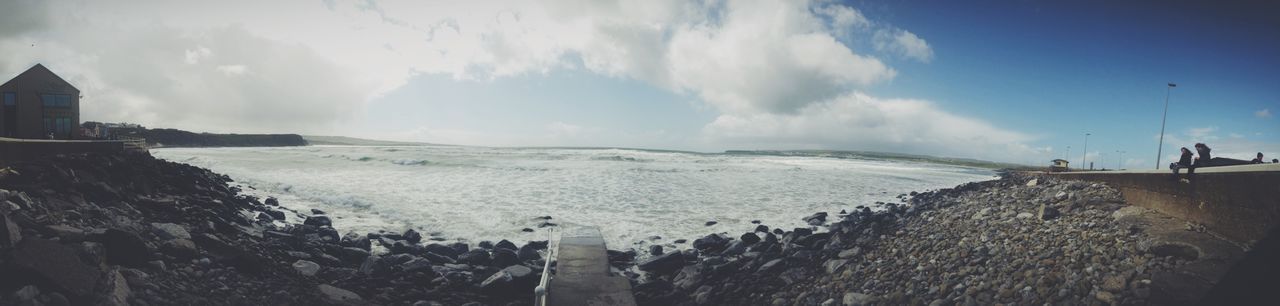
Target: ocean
(471, 194)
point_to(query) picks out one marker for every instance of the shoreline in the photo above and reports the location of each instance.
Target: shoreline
(132, 229)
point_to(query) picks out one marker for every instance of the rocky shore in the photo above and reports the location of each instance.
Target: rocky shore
(134, 230)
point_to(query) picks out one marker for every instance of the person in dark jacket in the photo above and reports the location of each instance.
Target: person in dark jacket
(1183, 162)
(1258, 160)
(1204, 158)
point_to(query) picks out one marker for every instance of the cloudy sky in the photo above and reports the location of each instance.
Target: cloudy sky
(1017, 81)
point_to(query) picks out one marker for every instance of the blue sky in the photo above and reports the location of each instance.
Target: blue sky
(1014, 81)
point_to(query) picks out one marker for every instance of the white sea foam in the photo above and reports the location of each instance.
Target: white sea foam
(473, 194)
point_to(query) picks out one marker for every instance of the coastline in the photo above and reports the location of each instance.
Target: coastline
(132, 229)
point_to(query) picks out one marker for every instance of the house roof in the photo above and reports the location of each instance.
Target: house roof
(37, 69)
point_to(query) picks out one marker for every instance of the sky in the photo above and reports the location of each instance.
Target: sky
(1009, 81)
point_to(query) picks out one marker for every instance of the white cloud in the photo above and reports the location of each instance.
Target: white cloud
(231, 70)
(903, 43)
(1264, 113)
(861, 122)
(1202, 133)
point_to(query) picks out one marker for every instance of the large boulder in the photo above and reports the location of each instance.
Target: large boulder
(477, 257)
(504, 244)
(510, 281)
(306, 268)
(56, 264)
(528, 252)
(412, 236)
(170, 231)
(664, 263)
(338, 295)
(126, 248)
(318, 221)
(504, 257)
(710, 243)
(10, 233)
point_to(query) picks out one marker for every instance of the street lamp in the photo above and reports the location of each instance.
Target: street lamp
(1159, 150)
(1120, 159)
(1066, 155)
(1085, 157)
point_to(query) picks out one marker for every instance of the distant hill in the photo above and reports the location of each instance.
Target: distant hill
(180, 138)
(352, 141)
(966, 162)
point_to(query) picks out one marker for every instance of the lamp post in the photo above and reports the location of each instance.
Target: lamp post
(1159, 150)
(1120, 159)
(1066, 155)
(1084, 158)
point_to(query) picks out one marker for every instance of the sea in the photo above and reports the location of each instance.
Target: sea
(635, 197)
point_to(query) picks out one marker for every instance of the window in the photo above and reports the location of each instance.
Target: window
(54, 100)
(10, 99)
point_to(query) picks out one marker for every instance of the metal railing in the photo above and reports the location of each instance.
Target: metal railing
(540, 292)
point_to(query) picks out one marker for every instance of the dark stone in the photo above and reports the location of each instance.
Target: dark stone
(527, 230)
(710, 242)
(1049, 213)
(318, 221)
(664, 263)
(485, 244)
(762, 228)
(814, 240)
(504, 257)
(528, 252)
(350, 255)
(412, 236)
(373, 266)
(680, 241)
(510, 281)
(546, 224)
(126, 248)
(778, 231)
(475, 257)
(655, 250)
(353, 240)
(271, 201)
(755, 221)
(437, 258)
(816, 219)
(460, 247)
(317, 211)
(749, 238)
(58, 265)
(504, 244)
(441, 250)
(275, 214)
(710, 223)
(416, 265)
(10, 233)
(772, 266)
(800, 231)
(621, 257)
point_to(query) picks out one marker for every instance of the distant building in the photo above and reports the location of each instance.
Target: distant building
(1058, 165)
(38, 104)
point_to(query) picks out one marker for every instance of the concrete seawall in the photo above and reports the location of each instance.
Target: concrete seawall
(28, 149)
(1241, 203)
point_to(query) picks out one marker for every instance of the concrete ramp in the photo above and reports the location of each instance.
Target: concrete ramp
(582, 273)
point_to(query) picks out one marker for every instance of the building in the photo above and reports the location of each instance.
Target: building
(38, 104)
(1059, 165)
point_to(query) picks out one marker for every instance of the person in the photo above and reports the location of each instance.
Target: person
(1183, 162)
(1258, 160)
(1204, 158)
(1275, 160)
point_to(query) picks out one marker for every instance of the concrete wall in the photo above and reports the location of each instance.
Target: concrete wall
(1241, 203)
(29, 149)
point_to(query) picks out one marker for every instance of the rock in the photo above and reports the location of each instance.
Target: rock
(317, 211)
(1025, 215)
(416, 264)
(274, 214)
(664, 263)
(271, 201)
(509, 281)
(169, 231)
(762, 228)
(28, 293)
(125, 248)
(710, 223)
(318, 221)
(441, 250)
(749, 238)
(1105, 297)
(772, 266)
(1032, 182)
(135, 277)
(1114, 283)
(56, 264)
(850, 253)
(475, 257)
(504, 244)
(10, 233)
(1048, 213)
(339, 295)
(655, 250)
(1061, 195)
(834, 265)
(485, 244)
(710, 242)
(679, 241)
(858, 299)
(181, 248)
(528, 252)
(306, 268)
(504, 257)
(351, 255)
(816, 219)
(116, 292)
(373, 265)
(412, 236)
